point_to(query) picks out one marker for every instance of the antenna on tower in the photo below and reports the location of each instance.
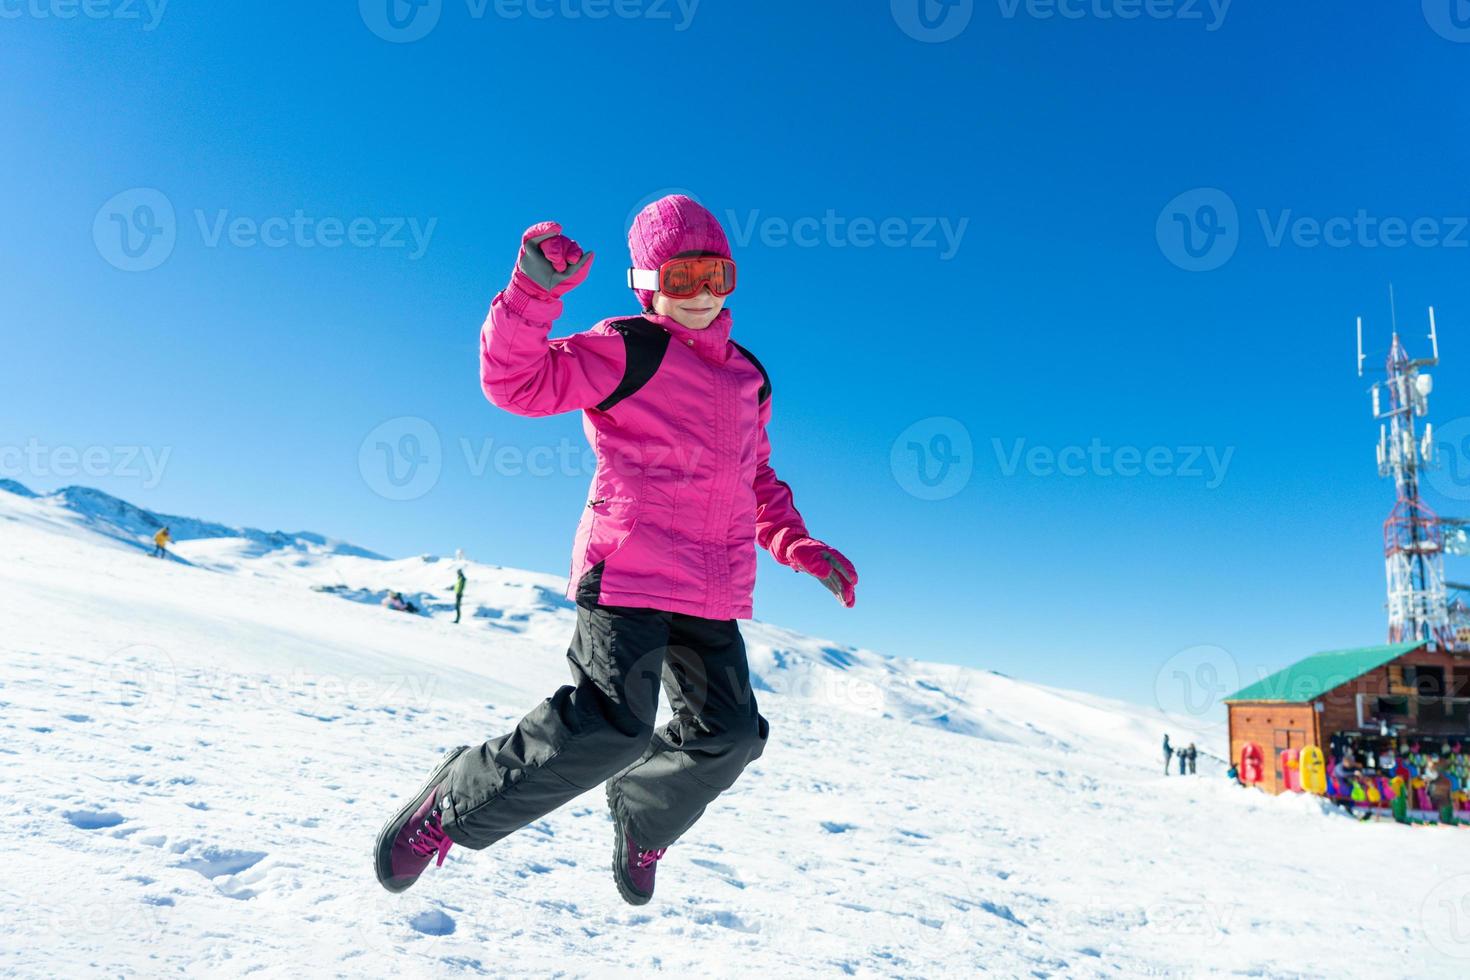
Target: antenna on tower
(1413, 536)
(1361, 355)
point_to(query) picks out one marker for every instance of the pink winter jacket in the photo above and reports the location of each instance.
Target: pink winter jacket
(684, 487)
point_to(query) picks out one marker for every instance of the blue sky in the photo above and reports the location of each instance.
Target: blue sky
(1156, 445)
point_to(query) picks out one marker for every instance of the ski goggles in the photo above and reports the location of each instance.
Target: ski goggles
(686, 278)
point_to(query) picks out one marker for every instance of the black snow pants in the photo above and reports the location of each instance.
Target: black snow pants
(601, 728)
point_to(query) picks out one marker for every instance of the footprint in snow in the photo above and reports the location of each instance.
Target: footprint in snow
(212, 862)
(723, 870)
(92, 819)
(432, 923)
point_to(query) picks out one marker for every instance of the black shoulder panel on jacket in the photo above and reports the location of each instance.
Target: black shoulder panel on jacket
(765, 378)
(645, 345)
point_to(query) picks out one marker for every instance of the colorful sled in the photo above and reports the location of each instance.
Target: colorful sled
(1313, 770)
(1252, 764)
(1291, 771)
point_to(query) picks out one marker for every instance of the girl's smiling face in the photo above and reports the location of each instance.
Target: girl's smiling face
(696, 313)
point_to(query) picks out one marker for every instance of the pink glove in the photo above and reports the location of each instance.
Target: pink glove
(826, 563)
(550, 264)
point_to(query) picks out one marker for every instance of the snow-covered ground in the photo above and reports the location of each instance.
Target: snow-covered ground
(196, 754)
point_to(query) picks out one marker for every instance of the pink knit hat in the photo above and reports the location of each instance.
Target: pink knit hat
(668, 226)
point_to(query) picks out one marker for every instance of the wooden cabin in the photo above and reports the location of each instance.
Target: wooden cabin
(1396, 692)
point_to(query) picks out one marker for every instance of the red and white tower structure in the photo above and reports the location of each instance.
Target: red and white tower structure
(1413, 537)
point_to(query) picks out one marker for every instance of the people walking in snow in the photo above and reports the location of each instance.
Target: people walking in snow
(1193, 754)
(1183, 755)
(161, 541)
(664, 560)
(459, 582)
(1168, 753)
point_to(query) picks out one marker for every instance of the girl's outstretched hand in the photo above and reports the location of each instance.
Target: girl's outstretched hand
(826, 563)
(550, 264)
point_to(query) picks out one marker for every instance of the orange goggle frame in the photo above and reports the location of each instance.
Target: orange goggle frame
(685, 278)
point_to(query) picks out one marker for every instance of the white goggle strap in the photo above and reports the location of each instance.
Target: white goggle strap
(643, 279)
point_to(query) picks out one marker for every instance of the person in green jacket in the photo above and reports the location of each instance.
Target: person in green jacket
(458, 592)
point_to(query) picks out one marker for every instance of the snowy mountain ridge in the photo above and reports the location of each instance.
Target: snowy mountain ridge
(959, 699)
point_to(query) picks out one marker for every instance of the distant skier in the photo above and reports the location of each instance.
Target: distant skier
(161, 541)
(1183, 755)
(1168, 753)
(1193, 755)
(664, 560)
(396, 601)
(459, 582)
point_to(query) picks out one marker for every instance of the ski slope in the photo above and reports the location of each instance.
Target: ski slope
(196, 754)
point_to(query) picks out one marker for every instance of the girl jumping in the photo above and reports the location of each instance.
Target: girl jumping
(663, 563)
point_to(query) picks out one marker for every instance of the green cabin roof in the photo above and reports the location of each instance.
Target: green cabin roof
(1313, 677)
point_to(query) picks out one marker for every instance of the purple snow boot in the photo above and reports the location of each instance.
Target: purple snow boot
(409, 841)
(633, 867)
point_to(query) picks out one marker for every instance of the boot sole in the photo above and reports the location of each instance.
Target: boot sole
(382, 859)
(620, 854)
